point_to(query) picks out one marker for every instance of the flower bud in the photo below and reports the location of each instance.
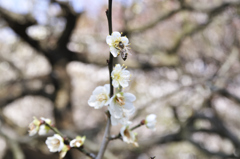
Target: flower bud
(150, 121)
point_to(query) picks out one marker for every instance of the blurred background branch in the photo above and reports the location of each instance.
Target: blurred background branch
(185, 64)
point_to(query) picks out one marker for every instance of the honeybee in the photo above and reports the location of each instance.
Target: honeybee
(123, 50)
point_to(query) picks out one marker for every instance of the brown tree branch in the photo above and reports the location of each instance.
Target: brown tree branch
(161, 18)
(211, 15)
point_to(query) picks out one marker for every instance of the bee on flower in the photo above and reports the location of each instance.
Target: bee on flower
(120, 76)
(118, 45)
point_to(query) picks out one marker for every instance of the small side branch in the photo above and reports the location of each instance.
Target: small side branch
(54, 129)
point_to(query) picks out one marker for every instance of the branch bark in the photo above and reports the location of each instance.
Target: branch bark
(106, 136)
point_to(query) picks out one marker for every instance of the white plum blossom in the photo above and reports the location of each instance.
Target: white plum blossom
(77, 142)
(34, 126)
(121, 107)
(55, 143)
(150, 121)
(120, 76)
(113, 42)
(100, 97)
(122, 120)
(128, 136)
(120, 103)
(43, 129)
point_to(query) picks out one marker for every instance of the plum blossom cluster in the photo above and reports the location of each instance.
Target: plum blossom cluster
(120, 105)
(56, 142)
(39, 126)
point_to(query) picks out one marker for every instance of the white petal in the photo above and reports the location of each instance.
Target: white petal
(125, 73)
(33, 132)
(72, 143)
(118, 67)
(130, 111)
(62, 154)
(115, 110)
(109, 40)
(107, 102)
(42, 130)
(58, 137)
(129, 97)
(117, 113)
(100, 104)
(98, 90)
(51, 143)
(114, 51)
(114, 120)
(115, 84)
(129, 106)
(107, 87)
(151, 117)
(92, 101)
(124, 121)
(125, 40)
(116, 34)
(123, 83)
(151, 125)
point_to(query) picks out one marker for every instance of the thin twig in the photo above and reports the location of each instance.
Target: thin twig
(54, 129)
(105, 140)
(91, 155)
(119, 136)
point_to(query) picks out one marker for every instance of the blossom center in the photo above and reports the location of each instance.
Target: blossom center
(102, 97)
(117, 76)
(120, 100)
(127, 133)
(56, 143)
(32, 126)
(78, 143)
(116, 42)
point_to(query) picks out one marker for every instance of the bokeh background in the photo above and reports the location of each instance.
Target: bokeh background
(184, 61)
